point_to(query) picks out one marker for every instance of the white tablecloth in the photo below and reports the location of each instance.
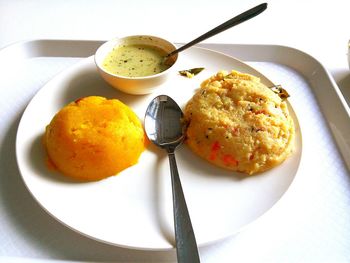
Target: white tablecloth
(293, 231)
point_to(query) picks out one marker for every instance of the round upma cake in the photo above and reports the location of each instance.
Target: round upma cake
(236, 122)
(93, 138)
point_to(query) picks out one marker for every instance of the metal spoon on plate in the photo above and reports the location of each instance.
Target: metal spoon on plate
(169, 59)
(165, 129)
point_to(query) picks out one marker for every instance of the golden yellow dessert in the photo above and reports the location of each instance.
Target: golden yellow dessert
(236, 122)
(93, 138)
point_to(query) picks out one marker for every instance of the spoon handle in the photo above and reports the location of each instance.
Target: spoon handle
(228, 24)
(186, 245)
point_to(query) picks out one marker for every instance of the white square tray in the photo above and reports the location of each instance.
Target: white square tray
(310, 223)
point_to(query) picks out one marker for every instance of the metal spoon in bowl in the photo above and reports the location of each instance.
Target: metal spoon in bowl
(169, 59)
(165, 129)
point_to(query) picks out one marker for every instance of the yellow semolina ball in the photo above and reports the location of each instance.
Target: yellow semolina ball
(94, 138)
(236, 122)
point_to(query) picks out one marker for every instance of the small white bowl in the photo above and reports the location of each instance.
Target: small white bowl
(134, 85)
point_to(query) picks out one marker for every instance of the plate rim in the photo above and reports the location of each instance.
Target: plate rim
(76, 66)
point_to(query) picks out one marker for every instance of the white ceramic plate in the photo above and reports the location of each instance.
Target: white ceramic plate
(134, 209)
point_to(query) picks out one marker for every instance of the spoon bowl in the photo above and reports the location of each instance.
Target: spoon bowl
(164, 127)
(163, 123)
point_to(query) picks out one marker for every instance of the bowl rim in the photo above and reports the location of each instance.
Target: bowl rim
(98, 57)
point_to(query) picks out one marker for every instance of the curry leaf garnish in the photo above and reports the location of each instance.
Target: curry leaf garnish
(281, 92)
(190, 73)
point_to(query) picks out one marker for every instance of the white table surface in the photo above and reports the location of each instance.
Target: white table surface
(320, 28)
